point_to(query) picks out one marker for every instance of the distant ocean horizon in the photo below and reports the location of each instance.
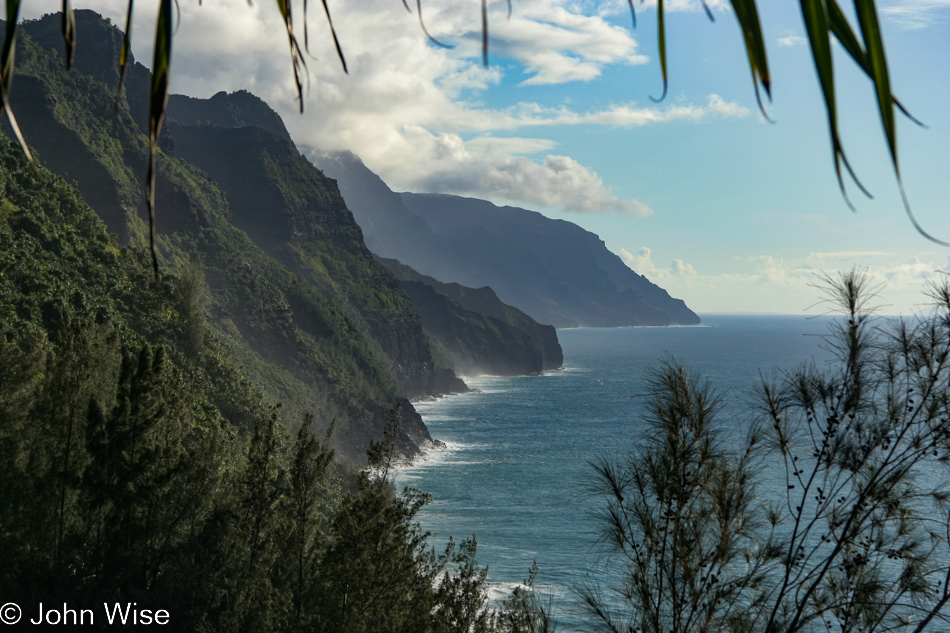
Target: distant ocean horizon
(517, 450)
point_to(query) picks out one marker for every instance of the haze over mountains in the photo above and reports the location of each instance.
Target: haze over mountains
(300, 307)
(553, 270)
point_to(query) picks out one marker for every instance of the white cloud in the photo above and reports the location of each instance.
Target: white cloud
(766, 283)
(411, 109)
(915, 14)
(790, 41)
(679, 268)
(642, 263)
(615, 7)
(556, 45)
(446, 163)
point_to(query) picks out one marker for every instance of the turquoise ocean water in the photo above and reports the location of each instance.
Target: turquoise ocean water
(517, 457)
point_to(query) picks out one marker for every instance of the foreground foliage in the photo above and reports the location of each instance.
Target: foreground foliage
(845, 528)
(139, 464)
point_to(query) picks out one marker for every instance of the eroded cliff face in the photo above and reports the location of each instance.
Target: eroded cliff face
(316, 323)
(473, 332)
(469, 342)
(544, 337)
(552, 270)
(297, 215)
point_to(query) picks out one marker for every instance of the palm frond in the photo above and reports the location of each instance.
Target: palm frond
(296, 56)
(845, 35)
(69, 33)
(158, 101)
(126, 51)
(748, 16)
(817, 25)
(874, 45)
(6, 73)
(661, 44)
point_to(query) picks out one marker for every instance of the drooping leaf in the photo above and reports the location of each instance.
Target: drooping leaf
(125, 52)
(876, 68)
(661, 44)
(69, 33)
(484, 32)
(815, 16)
(336, 41)
(428, 35)
(633, 13)
(874, 45)
(913, 219)
(845, 35)
(748, 17)
(158, 101)
(9, 44)
(6, 73)
(296, 56)
(306, 30)
(709, 13)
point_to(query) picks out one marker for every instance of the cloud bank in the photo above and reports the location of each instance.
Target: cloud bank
(916, 14)
(412, 110)
(787, 285)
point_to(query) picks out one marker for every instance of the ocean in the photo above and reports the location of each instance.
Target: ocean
(517, 458)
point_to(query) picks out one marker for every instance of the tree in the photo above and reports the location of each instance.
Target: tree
(380, 574)
(824, 21)
(679, 513)
(861, 539)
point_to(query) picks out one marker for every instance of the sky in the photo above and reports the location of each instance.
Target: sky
(700, 193)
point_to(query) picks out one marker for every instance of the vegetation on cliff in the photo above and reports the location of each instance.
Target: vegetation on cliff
(304, 346)
(139, 462)
(474, 332)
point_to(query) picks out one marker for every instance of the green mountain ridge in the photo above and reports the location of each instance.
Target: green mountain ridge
(295, 344)
(316, 322)
(552, 270)
(141, 466)
(474, 331)
(297, 216)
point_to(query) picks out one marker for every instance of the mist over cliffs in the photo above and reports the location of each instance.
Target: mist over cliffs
(297, 300)
(553, 270)
(473, 332)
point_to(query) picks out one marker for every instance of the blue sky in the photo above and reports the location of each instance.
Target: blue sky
(699, 193)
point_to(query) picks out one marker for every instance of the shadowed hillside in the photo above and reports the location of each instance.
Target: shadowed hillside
(553, 270)
(474, 331)
(304, 345)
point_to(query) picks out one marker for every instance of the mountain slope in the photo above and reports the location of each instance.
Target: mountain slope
(389, 229)
(470, 304)
(275, 195)
(553, 270)
(295, 344)
(554, 264)
(296, 215)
